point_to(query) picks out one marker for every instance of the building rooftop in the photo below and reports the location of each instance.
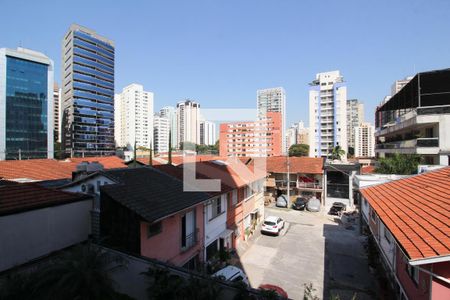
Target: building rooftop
(50, 169)
(21, 197)
(306, 165)
(416, 211)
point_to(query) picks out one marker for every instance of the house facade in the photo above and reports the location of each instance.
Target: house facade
(409, 222)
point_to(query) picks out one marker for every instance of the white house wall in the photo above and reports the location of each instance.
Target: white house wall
(214, 227)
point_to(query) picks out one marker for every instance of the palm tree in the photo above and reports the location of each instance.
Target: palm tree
(337, 152)
(83, 273)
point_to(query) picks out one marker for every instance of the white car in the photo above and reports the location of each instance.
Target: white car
(233, 274)
(272, 224)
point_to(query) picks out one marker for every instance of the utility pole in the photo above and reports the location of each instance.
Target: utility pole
(150, 158)
(288, 192)
(170, 148)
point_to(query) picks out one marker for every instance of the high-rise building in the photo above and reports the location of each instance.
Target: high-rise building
(26, 104)
(355, 116)
(399, 84)
(87, 92)
(135, 110)
(171, 113)
(302, 134)
(364, 140)
(188, 122)
(327, 114)
(273, 100)
(259, 138)
(56, 113)
(161, 126)
(291, 136)
(207, 133)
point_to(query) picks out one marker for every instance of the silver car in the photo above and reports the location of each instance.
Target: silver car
(281, 201)
(313, 204)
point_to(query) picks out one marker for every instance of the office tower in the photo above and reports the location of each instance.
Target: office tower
(416, 119)
(207, 133)
(399, 84)
(355, 116)
(56, 113)
(364, 140)
(302, 133)
(188, 122)
(161, 126)
(26, 104)
(171, 113)
(261, 138)
(327, 114)
(135, 110)
(273, 100)
(87, 93)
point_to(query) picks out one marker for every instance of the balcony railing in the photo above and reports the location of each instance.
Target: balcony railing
(309, 185)
(190, 241)
(420, 142)
(428, 142)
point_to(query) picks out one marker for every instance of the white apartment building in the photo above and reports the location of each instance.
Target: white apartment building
(327, 114)
(207, 133)
(188, 121)
(273, 100)
(171, 113)
(399, 84)
(161, 126)
(355, 116)
(291, 136)
(364, 140)
(134, 117)
(302, 133)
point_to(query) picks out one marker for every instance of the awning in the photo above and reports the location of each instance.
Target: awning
(226, 233)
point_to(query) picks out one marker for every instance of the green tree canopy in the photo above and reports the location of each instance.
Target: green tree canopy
(401, 164)
(337, 152)
(299, 150)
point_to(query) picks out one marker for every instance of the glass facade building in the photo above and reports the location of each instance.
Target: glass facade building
(26, 105)
(87, 93)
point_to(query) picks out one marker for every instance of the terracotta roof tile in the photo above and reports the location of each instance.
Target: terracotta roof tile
(304, 165)
(417, 212)
(50, 169)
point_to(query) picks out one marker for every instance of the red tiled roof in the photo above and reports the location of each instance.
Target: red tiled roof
(417, 212)
(367, 170)
(305, 165)
(49, 169)
(179, 159)
(15, 198)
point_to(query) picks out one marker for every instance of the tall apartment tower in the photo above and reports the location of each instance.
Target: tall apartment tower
(26, 104)
(364, 140)
(171, 113)
(87, 93)
(327, 114)
(56, 113)
(207, 133)
(161, 126)
(134, 107)
(399, 84)
(355, 116)
(188, 122)
(302, 133)
(273, 100)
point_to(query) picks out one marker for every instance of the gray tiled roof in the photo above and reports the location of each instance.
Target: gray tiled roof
(150, 193)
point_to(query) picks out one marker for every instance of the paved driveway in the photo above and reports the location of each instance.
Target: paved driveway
(311, 249)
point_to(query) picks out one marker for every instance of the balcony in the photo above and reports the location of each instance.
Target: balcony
(309, 185)
(415, 143)
(189, 241)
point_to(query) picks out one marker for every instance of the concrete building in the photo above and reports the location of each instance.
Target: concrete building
(188, 122)
(355, 116)
(273, 100)
(171, 113)
(87, 93)
(26, 104)
(207, 133)
(56, 113)
(135, 108)
(302, 134)
(416, 119)
(261, 138)
(327, 114)
(291, 136)
(399, 84)
(364, 140)
(161, 127)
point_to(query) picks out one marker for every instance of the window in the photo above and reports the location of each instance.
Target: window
(154, 229)
(216, 208)
(413, 272)
(387, 235)
(234, 197)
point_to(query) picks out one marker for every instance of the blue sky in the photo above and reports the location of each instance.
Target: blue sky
(220, 52)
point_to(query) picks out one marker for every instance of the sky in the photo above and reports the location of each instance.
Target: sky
(220, 52)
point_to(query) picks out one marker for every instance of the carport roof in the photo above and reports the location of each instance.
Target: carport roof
(416, 212)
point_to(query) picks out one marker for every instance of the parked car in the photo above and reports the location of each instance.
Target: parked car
(272, 224)
(313, 204)
(232, 274)
(299, 203)
(281, 201)
(337, 208)
(279, 291)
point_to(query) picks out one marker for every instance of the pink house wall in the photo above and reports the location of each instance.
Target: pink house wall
(166, 246)
(441, 290)
(420, 291)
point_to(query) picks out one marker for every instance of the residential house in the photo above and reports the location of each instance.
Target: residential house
(409, 220)
(37, 221)
(339, 183)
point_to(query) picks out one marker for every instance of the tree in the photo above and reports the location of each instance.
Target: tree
(351, 151)
(299, 150)
(187, 146)
(401, 164)
(337, 152)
